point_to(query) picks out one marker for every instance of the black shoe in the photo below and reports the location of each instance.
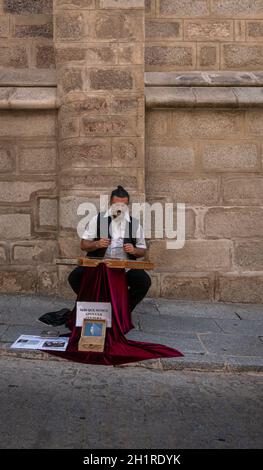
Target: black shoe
(56, 318)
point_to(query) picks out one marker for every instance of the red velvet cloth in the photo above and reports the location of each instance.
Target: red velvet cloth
(103, 284)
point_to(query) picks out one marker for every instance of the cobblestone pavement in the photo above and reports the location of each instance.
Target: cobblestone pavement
(51, 404)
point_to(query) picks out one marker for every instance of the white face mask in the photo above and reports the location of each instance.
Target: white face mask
(118, 210)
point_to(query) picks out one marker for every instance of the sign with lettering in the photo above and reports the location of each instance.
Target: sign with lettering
(93, 311)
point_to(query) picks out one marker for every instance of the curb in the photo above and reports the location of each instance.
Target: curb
(206, 363)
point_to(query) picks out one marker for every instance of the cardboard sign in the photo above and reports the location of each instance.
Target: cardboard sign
(95, 311)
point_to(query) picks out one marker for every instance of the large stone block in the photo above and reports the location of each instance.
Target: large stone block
(27, 124)
(47, 212)
(39, 159)
(178, 55)
(85, 154)
(208, 30)
(207, 55)
(254, 122)
(118, 26)
(187, 287)
(3, 253)
(130, 53)
(231, 157)
(21, 191)
(234, 222)
(13, 56)
(185, 8)
(197, 191)
(163, 30)
(242, 56)
(121, 4)
(254, 30)
(70, 26)
(158, 124)
(127, 152)
(110, 126)
(28, 6)
(4, 27)
(83, 103)
(7, 158)
(196, 255)
(72, 80)
(45, 57)
(33, 26)
(68, 215)
(178, 156)
(240, 288)
(248, 255)
(18, 280)
(102, 179)
(74, 4)
(243, 190)
(127, 104)
(14, 226)
(237, 8)
(110, 79)
(35, 252)
(206, 123)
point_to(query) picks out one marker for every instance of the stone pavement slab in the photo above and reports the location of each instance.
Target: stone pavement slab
(212, 336)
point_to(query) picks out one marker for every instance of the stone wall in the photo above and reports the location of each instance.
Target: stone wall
(26, 34)
(209, 156)
(204, 35)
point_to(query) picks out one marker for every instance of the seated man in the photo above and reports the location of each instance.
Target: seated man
(122, 237)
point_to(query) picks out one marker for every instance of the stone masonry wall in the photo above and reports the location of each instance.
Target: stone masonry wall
(210, 159)
(26, 34)
(204, 35)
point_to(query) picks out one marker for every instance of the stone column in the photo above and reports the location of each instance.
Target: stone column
(99, 49)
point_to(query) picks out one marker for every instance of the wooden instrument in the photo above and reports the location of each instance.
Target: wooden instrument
(110, 262)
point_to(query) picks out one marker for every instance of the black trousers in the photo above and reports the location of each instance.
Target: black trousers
(139, 283)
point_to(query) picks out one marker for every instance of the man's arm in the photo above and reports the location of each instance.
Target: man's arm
(132, 250)
(92, 245)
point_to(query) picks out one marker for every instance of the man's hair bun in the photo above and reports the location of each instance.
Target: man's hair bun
(120, 192)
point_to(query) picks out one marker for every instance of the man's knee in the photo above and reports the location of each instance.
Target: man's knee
(139, 278)
(74, 278)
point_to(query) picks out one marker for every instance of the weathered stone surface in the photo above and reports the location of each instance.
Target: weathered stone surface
(234, 222)
(185, 8)
(48, 212)
(70, 26)
(127, 152)
(242, 56)
(118, 26)
(18, 280)
(4, 27)
(196, 255)
(28, 6)
(2, 254)
(90, 153)
(109, 79)
(199, 190)
(45, 57)
(169, 56)
(234, 8)
(163, 30)
(254, 122)
(207, 56)
(69, 218)
(111, 126)
(157, 124)
(206, 123)
(74, 4)
(72, 80)
(33, 26)
(186, 287)
(254, 30)
(47, 279)
(35, 252)
(27, 124)
(21, 191)
(241, 288)
(248, 255)
(38, 159)
(231, 157)
(14, 226)
(176, 157)
(243, 190)
(130, 54)
(127, 104)
(13, 56)
(208, 30)
(85, 103)
(102, 179)
(7, 159)
(121, 4)
(69, 128)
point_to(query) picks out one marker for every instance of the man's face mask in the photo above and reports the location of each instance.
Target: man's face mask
(118, 210)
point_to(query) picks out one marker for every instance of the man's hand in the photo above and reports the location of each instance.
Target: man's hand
(129, 248)
(103, 243)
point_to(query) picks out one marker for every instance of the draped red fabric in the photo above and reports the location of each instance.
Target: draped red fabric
(103, 284)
